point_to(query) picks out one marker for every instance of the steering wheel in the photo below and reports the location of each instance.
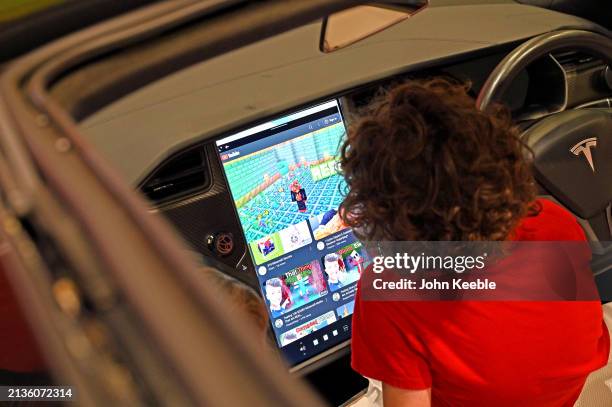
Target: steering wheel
(573, 148)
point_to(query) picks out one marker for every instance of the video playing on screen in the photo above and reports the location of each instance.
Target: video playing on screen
(286, 187)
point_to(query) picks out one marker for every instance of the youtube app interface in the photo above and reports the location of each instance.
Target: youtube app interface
(286, 188)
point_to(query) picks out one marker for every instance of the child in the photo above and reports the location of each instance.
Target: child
(426, 165)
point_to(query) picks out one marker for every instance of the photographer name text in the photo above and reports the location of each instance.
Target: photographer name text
(434, 284)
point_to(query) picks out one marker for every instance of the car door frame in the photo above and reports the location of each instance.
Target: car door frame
(68, 216)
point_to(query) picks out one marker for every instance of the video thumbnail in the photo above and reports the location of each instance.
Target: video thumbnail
(345, 265)
(307, 328)
(345, 310)
(295, 236)
(294, 288)
(279, 243)
(326, 223)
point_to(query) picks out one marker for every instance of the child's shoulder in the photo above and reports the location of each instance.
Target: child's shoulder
(552, 222)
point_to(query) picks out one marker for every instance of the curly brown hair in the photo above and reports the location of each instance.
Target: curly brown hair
(425, 164)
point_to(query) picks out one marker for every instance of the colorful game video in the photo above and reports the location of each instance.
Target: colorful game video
(277, 189)
(345, 265)
(294, 288)
(307, 328)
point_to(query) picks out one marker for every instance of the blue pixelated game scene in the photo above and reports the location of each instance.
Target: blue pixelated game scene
(279, 189)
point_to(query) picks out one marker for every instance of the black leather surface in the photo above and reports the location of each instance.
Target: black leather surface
(562, 166)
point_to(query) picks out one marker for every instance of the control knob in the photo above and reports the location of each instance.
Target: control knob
(221, 243)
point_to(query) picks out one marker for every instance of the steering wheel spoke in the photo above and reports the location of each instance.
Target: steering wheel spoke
(572, 153)
(572, 149)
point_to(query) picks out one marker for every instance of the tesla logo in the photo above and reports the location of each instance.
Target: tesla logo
(584, 147)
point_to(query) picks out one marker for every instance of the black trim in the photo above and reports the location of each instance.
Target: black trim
(284, 127)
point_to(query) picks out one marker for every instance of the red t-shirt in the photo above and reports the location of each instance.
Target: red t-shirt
(486, 353)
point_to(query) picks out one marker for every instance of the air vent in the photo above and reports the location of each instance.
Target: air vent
(184, 174)
(577, 61)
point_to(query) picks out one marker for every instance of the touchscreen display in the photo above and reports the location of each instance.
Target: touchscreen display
(286, 188)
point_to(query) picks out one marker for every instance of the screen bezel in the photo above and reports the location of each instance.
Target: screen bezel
(336, 351)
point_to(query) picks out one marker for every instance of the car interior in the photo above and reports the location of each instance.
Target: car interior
(182, 133)
(238, 152)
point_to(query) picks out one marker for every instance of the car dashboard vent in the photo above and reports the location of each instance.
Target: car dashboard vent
(184, 174)
(577, 61)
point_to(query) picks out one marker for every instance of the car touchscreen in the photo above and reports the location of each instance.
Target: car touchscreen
(285, 185)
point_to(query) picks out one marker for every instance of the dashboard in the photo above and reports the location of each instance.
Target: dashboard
(223, 194)
(271, 191)
(240, 153)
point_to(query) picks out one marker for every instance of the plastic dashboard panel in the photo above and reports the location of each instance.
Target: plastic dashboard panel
(289, 70)
(193, 215)
(210, 212)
